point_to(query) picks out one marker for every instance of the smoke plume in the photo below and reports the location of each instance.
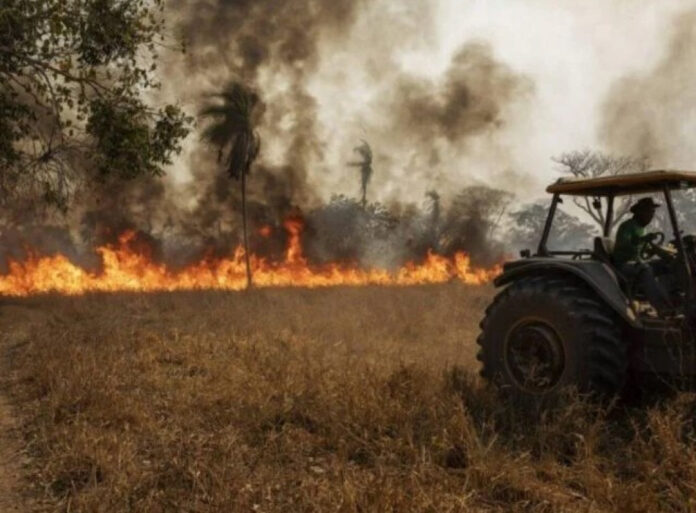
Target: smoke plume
(272, 47)
(329, 75)
(649, 114)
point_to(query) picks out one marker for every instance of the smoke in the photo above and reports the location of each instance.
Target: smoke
(468, 100)
(329, 75)
(272, 47)
(448, 95)
(247, 34)
(439, 121)
(651, 113)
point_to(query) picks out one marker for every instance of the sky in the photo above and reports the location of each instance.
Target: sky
(573, 51)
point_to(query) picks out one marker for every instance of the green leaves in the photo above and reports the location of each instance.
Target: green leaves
(112, 30)
(12, 128)
(73, 75)
(131, 143)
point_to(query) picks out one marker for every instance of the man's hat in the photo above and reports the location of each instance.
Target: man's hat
(644, 204)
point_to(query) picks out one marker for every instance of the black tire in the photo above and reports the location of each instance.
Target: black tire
(558, 320)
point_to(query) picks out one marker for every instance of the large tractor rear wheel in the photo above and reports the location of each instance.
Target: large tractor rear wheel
(546, 333)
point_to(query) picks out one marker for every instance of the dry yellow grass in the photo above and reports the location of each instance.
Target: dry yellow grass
(327, 400)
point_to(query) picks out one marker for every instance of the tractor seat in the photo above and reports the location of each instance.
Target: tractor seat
(603, 249)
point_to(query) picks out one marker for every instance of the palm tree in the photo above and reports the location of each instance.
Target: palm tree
(365, 166)
(435, 211)
(232, 131)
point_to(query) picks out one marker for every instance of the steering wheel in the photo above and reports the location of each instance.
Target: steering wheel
(647, 250)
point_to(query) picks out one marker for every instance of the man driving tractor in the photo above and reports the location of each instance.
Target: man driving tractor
(634, 247)
(609, 320)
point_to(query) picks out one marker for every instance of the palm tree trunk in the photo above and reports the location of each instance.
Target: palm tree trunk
(244, 230)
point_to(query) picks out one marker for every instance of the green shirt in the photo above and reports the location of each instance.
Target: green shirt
(629, 239)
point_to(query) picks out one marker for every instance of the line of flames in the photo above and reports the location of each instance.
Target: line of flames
(127, 269)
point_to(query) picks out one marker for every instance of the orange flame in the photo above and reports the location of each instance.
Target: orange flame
(265, 231)
(293, 254)
(126, 269)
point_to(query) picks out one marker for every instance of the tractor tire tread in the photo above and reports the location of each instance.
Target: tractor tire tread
(606, 354)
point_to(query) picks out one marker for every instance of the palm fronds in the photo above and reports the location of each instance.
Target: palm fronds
(231, 127)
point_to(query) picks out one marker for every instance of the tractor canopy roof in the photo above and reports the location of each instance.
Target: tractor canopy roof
(624, 184)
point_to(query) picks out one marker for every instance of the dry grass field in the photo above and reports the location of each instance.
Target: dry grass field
(360, 400)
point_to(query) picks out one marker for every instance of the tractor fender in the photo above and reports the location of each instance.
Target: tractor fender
(597, 275)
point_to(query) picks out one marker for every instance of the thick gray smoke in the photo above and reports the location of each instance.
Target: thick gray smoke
(248, 40)
(651, 113)
(468, 100)
(287, 52)
(436, 122)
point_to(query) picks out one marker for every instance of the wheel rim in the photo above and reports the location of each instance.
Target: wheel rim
(534, 356)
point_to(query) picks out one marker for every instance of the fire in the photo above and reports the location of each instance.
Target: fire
(127, 267)
(293, 255)
(265, 231)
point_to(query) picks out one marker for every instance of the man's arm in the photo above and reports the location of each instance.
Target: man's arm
(661, 251)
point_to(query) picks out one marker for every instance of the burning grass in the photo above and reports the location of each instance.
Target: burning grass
(129, 267)
(357, 399)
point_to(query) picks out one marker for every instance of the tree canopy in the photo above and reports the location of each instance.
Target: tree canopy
(592, 164)
(75, 79)
(231, 128)
(568, 232)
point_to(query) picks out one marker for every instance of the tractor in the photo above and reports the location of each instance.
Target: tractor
(570, 319)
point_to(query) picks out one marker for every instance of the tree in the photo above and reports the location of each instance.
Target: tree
(374, 236)
(232, 131)
(472, 221)
(592, 164)
(366, 170)
(685, 206)
(528, 223)
(73, 78)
